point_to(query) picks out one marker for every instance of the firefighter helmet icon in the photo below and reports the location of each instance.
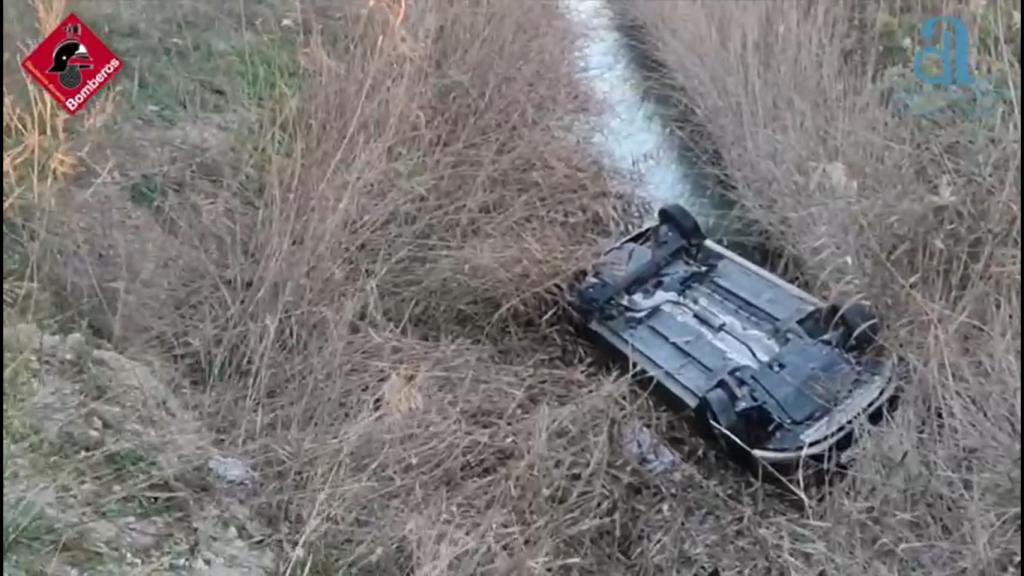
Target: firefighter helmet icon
(70, 58)
(72, 64)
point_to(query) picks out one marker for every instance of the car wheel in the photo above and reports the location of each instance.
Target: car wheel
(861, 327)
(683, 222)
(716, 413)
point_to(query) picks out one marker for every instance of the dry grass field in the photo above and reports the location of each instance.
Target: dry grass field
(327, 240)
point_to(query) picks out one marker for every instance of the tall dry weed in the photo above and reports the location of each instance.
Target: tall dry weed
(376, 325)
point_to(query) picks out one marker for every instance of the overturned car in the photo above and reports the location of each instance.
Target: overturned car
(765, 366)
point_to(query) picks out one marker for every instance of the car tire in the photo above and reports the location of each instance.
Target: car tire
(860, 325)
(683, 222)
(715, 411)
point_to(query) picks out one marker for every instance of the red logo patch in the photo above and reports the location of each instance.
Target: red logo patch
(72, 64)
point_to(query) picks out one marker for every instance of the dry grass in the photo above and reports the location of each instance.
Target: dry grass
(373, 319)
(362, 288)
(921, 215)
(380, 337)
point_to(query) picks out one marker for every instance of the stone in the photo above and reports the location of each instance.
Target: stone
(231, 471)
(648, 451)
(51, 343)
(145, 534)
(101, 535)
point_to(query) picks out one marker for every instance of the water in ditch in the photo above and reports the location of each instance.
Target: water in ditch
(628, 130)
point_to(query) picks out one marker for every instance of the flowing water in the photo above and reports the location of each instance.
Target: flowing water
(628, 130)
